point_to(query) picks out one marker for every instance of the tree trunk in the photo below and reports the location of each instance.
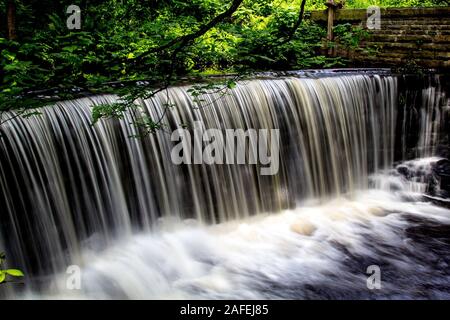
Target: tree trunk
(296, 25)
(11, 23)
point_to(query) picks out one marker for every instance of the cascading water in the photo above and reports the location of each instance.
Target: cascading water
(140, 226)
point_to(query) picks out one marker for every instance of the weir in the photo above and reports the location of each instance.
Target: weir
(67, 185)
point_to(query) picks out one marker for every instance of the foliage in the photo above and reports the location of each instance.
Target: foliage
(6, 273)
(48, 55)
(136, 40)
(350, 36)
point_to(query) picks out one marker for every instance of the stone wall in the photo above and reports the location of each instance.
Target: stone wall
(407, 36)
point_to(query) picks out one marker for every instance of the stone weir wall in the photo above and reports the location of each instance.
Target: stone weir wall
(403, 37)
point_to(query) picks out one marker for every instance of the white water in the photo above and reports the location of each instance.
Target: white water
(139, 227)
(281, 255)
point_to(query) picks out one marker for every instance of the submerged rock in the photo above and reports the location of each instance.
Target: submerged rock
(303, 227)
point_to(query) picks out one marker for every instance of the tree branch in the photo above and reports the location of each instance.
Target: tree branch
(297, 23)
(186, 39)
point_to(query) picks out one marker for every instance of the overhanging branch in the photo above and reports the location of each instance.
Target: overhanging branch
(185, 40)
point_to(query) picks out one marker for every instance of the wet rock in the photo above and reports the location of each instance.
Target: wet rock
(303, 227)
(441, 169)
(404, 171)
(378, 211)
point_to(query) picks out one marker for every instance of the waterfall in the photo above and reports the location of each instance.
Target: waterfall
(424, 111)
(66, 184)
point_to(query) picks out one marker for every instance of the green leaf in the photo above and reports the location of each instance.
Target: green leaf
(14, 272)
(231, 85)
(2, 276)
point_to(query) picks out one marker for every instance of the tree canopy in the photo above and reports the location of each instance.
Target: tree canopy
(155, 40)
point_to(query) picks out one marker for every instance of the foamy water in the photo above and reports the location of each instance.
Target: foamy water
(91, 198)
(314, 251)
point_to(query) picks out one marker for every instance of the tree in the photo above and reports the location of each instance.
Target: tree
(155, 43)
(127, 99)
(11, 20)
(297, 23)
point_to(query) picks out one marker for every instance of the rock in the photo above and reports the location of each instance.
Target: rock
(378, 211)
(303, 227)
(403, 170)
(442, 170)
(442, 167)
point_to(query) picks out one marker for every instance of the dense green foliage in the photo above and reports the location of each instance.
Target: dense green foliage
(121, 41)
(114, 36)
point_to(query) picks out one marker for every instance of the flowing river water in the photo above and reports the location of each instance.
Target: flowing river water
(358, 185)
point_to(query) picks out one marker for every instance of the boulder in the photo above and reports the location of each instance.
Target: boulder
(303, 227)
